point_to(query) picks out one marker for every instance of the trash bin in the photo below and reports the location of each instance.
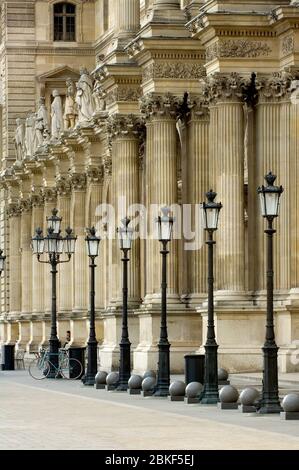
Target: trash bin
(8, 357)
(194, 368)
(79, 354)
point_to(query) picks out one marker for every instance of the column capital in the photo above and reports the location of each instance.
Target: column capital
(225, 87)
(78, 181)
(120, 125)
(199, 108)
(63, 186)
(50, 194)
(13, 210)
(25, 205)
(37, 198)
(274, 87)
(95, 174)
(162, 106)
(107, 163)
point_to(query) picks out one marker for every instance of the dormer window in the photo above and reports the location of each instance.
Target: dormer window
(64, 22)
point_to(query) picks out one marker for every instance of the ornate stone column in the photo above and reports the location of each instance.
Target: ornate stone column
(198, 183)
(127, 17)
(161, 169)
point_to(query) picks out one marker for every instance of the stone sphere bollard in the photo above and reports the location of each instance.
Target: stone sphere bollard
(290, 403)
(135, 382)
(177, 389)
(228, 394)
(222, 375)
(193, 389)
(149, 373)
(148, 384)
(248, 396)
(112, 378)
(100, 378)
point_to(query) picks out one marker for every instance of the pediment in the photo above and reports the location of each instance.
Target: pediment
(60, 73)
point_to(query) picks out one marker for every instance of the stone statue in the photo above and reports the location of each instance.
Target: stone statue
(84, 96)
(30, 136)
(42, 123)
(98, 97)
(70, 110)
(19, 140)
(56, 115)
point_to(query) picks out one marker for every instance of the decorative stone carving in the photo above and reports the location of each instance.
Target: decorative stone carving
(70, 109)
(19, 140)
(49, 194)
(175, 70)
(42, 123)
(78, 181)
(37, 199)
(84, 96)
(198, 108)
(287, 45)
(30, 136)
(95, 174)
(57, 116)
(123, 125)
(25, 205)
(222, 86)
(274, 87)
(123, 93)
(163, 105)
(13, 210)
(99, 97)
(107, 163)
(63, 186)
(226, 48)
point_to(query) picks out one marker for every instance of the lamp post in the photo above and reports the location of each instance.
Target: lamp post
(210, 213)
(53, 245)
(92, 245)
(269, 199)
(125, 236)
(165, 230)
(2, 261)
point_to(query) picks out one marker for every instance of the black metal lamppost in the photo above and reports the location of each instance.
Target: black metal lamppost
(2, 261)
(125, 235)
(210, 212)
(92, 245)
(269, 199)
(165, 231)
(53, 245)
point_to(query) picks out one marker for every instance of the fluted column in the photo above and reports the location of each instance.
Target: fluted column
(161, 166)
(78, 223)
(166, 5)
(199, 182)
(15, 282)
(65, 289)
(37, 268)
(127, 17)
(294, 190)
(26, 257)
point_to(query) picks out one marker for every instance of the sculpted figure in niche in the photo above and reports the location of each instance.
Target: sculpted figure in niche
(30, 136)
(19, 140)
(42, 123)
(70, 110)
(98, 97)
(56, 115)
(84, 96)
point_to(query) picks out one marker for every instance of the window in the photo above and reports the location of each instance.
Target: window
(64, 22)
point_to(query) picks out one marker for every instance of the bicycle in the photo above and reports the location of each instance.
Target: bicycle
(67, 368)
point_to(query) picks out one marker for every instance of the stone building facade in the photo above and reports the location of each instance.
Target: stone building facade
(184, 96)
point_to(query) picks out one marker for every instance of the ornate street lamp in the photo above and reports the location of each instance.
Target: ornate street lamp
(53, 245)
(269, 199)
(210, 213)
(165, 232)
(125, 236)
(2, 261)
(92, 245)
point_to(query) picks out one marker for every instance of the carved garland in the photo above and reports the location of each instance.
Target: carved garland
(226, 48)
(177, 70)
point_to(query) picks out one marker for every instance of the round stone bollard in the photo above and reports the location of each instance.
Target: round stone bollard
(112, 381)
(228, 396)
(222, 375)
(147, 386)
(177, 389)
(149, 373)
(290, 403)
(248, 396)
(193, 390)
(100, 380)
(135, 382)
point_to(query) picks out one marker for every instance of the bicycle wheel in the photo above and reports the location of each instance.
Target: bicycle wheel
(39, 369)
(71, 369)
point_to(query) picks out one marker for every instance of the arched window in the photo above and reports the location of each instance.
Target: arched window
(64, 22)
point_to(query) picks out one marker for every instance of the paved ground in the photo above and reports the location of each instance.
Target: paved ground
(66, 415)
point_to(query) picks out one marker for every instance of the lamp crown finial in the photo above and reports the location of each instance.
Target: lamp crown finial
(270, 178)
(126, 221)
(54, 212)
(211, 195)
(39, 232)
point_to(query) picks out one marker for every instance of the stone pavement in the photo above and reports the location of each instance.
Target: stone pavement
(60, 414)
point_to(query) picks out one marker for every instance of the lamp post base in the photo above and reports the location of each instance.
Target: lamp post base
(270, 408)
(54, 359)
(163, 381)
(122, 387)
(89, 380)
